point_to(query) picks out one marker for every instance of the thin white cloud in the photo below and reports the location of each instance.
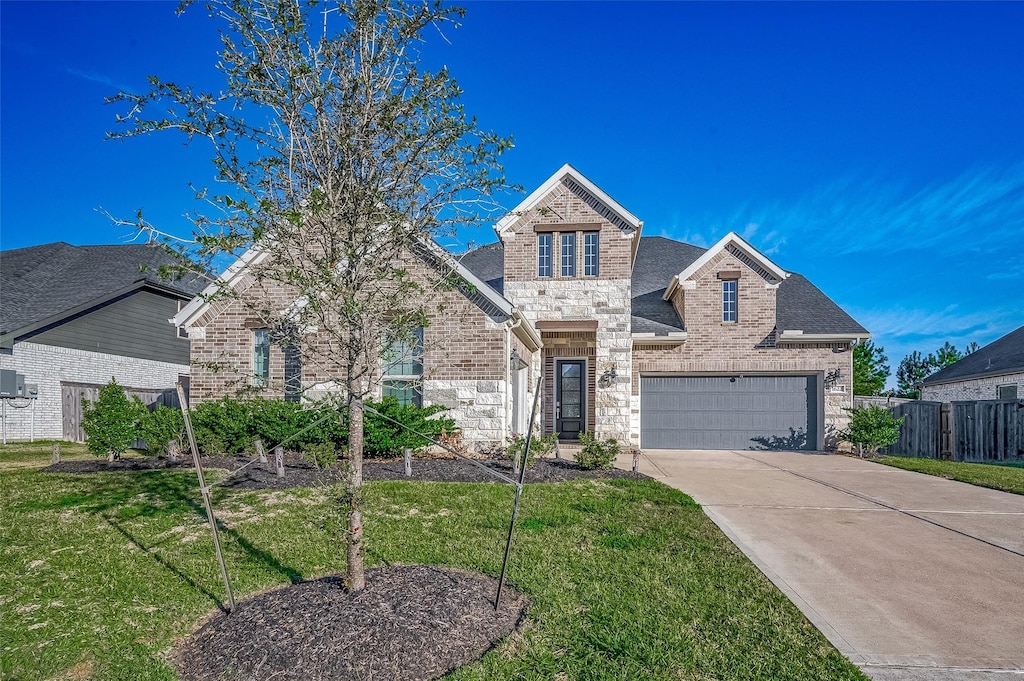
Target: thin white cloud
(980, 208)
(98, 78)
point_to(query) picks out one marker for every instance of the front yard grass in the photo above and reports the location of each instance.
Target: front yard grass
(1008, 477)
(35, 454)
(627, 579)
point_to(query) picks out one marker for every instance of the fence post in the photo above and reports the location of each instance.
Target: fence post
(260, 452)
(408, 462)
(56, 454)
(279, 460)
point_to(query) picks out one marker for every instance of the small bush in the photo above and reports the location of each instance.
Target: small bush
(321, 454)
(161, 426)
(597, 454)
(540, 446)
(382, 437)
(872, 428)
(222, 427)
(111, 423)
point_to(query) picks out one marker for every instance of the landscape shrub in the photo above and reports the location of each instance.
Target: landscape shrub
(160, 427)
(596, 454)
(382, 437)
(872, 428)
(230, 426)
(540, 446)
(321, 454)
(111, 422)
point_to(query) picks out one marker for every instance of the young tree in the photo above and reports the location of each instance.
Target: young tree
(872, 428)
(870, 369)
(944, 356)
(111, 422)
(342, 157)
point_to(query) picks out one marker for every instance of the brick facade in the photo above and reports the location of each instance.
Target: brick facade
(985, 388)
(604, 298)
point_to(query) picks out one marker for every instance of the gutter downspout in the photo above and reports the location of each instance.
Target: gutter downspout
(509, 325)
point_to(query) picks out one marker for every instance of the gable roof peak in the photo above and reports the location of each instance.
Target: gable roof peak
(581, 185)
(737, 246)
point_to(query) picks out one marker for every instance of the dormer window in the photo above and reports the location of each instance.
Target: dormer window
(590, 253)
(543, 255)
(729, 300)
(568, 254)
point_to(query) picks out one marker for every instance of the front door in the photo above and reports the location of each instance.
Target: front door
(570, 398)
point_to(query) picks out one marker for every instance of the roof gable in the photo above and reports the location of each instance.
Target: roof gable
(747, 254)
(601, 202)
(478, 292)
(1002, 356)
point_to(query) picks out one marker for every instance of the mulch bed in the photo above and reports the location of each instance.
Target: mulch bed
(411, 622)
(299, 473)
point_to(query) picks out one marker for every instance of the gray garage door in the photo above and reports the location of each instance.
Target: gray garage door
(723, 412)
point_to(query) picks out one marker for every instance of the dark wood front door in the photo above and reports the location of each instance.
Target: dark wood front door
(570, 398)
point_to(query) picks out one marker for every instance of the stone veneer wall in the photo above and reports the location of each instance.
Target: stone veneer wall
(604, 298)
(48, 365)
(478, 408)
(974, 389)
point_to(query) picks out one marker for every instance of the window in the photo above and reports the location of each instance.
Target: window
(1006, 392)
(403, 369)
(729, 300)
(543, 255)
(569, 254)
(261, 357)
(590, 252)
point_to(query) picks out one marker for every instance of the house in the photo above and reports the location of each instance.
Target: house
(72, 317)
(655, 342)
(994, 372)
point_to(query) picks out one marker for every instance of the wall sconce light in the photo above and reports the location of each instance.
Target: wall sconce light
(832, 378)
(607, 378)
(515, 361)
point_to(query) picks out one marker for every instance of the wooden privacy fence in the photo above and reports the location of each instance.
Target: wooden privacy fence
(979, 431)
(72, 394)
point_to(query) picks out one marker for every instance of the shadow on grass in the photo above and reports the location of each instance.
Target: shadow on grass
(125, 496)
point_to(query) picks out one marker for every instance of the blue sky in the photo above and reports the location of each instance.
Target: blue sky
(876, 148)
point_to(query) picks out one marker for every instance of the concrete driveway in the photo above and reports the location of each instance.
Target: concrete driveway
(910, 576)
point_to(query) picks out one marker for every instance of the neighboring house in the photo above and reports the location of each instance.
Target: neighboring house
(657, 343)
(73, 317)
(994, 372)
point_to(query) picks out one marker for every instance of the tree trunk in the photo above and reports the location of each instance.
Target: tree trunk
(356, 574)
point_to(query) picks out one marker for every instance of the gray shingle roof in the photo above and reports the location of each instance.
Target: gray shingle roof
(800, 304)
(42, 282)
(1002, 356)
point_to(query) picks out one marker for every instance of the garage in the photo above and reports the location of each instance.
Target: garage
(728, 412)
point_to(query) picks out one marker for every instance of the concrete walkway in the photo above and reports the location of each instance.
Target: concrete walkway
(910, 576)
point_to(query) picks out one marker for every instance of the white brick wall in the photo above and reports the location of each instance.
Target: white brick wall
(47, 366)
(976, 389)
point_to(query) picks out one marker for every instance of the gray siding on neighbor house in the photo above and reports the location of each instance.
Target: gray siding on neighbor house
(134, 325)
(728, 412)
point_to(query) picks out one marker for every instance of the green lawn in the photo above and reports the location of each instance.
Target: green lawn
(21, 454)
(626, 579)
(1004, 477)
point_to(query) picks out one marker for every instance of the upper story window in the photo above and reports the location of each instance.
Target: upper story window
(591, 241)
(261, 357)
(543, 255)
(403, 369)
(729, 300)
(568, 254)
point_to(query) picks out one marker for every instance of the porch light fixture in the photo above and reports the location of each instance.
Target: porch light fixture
(515, 361)
(607, 378)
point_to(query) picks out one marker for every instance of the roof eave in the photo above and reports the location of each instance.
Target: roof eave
(974, 376)
(798, 336)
